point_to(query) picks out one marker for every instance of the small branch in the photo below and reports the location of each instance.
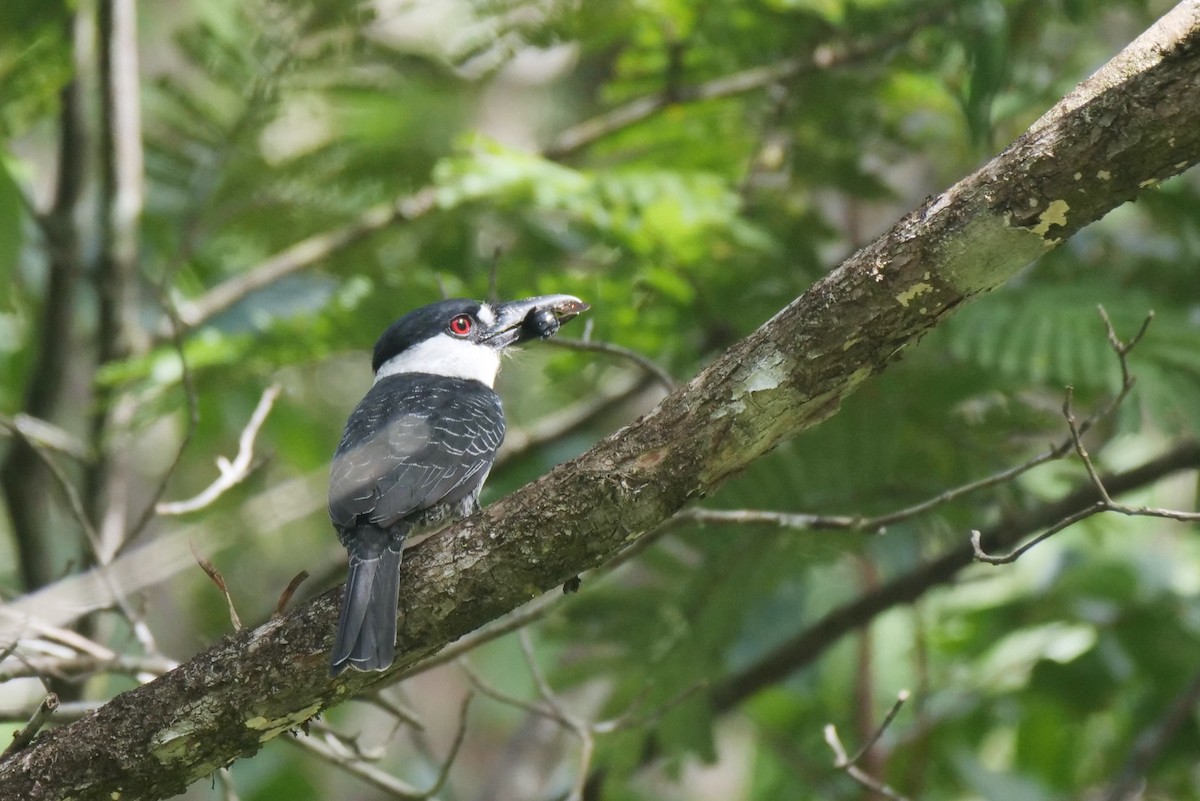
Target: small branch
(849, 765)
(228, 788)
(1076, 429)
(455, 747)
(628, 354)
(26, 734)
(65, 712)
(350, 757)
(817, 637)
(286, 596)
(354, 765)
(302, 255)
(631, 719)
(75, 504)
(232, 472)
(824, 57)
(484, 688)
(83, 667)
(527, 614)
(42, 434)
(400, 712)
(982, 555)
(578, 726)
(216, 578)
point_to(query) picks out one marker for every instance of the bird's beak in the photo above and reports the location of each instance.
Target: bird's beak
(532, 318)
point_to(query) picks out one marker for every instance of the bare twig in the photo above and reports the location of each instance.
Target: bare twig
(216, 577)
(628, 354)
(397, 710)
(232, 472)
(288, 592)
(65, 712)
(485, 688)
(76, 505)
(580, 727)
(353, 764)
(849, 764)
(42, 434)
(824, 57)
(634, 717)
(25, 735)
(1105, 503)
(304, 254)
(808, 644)
(527, 614)
(228, 788)
(83, 666)
(346, 754)
(459, 735)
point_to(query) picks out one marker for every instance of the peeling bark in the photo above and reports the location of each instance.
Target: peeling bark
(1131, 125)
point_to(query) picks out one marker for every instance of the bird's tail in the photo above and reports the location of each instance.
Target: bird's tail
(366, 631)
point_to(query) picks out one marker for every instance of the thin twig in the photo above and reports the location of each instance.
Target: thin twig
(285, 597)
(228, 787)
(527, 614)
(496, 694)
(25, 735)
(397, 710)
(83, 666)
(354, 760)
(43, 434)
(849, 765)
(823, 57)
(355, 766)
(634, 718)
(459, 736)
(233, 472)
(580, 727)
(539, 678)
(1077, 429)
(215, 576)
(66, 711)
(592, 346)
(75, 503)
(304, 254)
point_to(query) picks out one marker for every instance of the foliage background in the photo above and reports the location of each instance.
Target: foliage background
(265, 123)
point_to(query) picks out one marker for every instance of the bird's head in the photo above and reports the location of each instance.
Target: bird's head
(464, 338)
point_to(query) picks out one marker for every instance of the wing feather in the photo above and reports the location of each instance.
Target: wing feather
(410, 445)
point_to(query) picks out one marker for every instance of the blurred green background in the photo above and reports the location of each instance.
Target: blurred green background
(751, 147)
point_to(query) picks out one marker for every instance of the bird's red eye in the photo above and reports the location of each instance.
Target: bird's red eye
(461, 325)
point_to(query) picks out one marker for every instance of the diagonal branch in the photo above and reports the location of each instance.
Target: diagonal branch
(825, 57)
(312, 250)
(802, 649)
(787, 376)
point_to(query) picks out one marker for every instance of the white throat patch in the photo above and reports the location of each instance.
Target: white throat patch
(448, 356)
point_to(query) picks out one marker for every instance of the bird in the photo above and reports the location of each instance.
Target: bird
(417, 448)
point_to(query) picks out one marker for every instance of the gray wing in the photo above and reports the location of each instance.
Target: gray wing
(419, 444)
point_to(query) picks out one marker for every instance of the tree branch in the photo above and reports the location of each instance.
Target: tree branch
(790, 374)
(310, 251)
(824, 57)
(810, 643)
